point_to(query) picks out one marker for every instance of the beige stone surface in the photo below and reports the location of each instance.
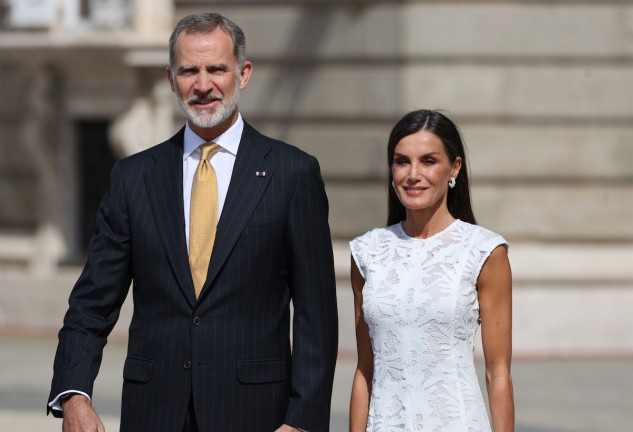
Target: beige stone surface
(578, 264)
(543, 92)
(518, 29)
(580, 152)
(335, 92)
(558, 211)
(356, 208)
(340, 30)
(573, 319)
(547, 92)
(483, 29)
(345, 153)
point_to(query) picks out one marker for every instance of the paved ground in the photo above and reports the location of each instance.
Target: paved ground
(552, 396)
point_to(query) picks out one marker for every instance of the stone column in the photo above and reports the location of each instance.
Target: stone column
(152, 16)
(39, 137)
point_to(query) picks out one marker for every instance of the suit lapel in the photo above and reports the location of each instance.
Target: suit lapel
(245, 190)
(164, 189)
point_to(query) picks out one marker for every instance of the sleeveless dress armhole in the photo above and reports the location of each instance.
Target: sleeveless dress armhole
(486, 246)
(358, 247)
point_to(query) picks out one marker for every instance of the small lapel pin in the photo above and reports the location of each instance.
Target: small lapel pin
(260, 173)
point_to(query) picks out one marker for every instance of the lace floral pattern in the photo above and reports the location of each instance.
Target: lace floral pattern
(421, 306)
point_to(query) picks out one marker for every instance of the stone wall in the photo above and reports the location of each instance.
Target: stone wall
(542, 90)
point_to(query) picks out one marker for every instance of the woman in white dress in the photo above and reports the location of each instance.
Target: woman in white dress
(422, 286)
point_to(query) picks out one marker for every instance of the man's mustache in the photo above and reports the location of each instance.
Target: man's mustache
(204, 99)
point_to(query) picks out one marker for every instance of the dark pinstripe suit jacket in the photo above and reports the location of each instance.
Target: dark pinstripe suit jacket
(231, 348)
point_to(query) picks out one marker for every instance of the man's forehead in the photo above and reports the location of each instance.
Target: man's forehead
(216, 32)
(194, 43)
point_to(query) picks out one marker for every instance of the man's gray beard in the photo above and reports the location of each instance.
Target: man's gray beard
(211, 119)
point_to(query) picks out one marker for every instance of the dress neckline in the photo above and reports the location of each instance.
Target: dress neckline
(408, 237)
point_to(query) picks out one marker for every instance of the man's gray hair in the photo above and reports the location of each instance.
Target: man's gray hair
(207, 23)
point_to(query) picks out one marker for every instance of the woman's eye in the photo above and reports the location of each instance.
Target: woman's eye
(429, 161)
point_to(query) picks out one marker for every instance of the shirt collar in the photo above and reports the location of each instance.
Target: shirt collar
(229, 141)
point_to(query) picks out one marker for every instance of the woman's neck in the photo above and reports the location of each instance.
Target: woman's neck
(423, 224)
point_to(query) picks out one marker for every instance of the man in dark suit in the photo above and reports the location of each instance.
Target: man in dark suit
(210, 353)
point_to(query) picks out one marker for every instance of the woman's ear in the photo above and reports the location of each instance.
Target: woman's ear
(457, 165)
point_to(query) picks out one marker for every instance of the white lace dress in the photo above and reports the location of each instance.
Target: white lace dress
(421, 306)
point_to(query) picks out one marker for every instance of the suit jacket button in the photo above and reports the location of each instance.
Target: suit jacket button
(187, 365)
(197, 321)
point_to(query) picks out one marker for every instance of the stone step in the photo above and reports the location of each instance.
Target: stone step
(569, 300)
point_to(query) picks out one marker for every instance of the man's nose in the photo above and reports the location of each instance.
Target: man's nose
(204, 83)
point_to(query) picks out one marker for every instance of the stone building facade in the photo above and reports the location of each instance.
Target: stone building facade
(542, 89)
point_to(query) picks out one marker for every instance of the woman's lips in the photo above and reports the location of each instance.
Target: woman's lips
(414, 190)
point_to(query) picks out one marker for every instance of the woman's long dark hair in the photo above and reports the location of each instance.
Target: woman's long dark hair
(458, 199)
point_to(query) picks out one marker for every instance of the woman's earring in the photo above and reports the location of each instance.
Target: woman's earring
(393, 184)
(452, 183)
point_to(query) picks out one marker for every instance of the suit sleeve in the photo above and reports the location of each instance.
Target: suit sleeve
(96, 299)
(315, 322)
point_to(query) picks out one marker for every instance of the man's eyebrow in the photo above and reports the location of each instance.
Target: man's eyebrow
(214, 66)
(218, 66)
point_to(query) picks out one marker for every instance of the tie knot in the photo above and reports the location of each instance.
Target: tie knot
(208, 149)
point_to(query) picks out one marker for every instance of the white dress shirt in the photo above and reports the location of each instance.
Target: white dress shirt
(222, 161)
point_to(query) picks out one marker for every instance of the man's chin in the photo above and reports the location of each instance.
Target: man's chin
(205, 121)
(208, 119)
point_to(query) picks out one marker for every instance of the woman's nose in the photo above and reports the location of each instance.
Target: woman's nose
(416, 172)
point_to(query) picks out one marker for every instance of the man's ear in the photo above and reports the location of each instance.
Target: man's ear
(170, 77)
(245, 74)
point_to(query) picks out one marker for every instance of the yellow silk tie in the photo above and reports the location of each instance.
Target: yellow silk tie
(203, 217)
